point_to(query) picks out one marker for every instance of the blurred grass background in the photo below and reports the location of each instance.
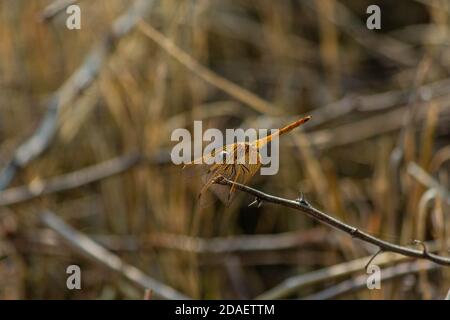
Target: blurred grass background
(379, 101)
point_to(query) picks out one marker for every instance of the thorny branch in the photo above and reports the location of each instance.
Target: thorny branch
(325, 218)
(297, 283)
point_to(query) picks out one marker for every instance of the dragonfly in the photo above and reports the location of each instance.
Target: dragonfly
(237, 162)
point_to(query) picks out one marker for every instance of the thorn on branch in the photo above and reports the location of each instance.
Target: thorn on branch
(302, 201)
(302, 205)
(425, 249)
(258, 202)
(373, 258)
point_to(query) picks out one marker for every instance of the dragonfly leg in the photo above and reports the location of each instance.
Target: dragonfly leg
(233, 187)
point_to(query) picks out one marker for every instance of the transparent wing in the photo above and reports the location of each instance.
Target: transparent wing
(241, 169)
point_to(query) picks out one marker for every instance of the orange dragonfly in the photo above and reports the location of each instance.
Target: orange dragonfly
(238, 162)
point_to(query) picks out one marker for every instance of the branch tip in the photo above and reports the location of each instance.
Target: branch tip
(380, 250)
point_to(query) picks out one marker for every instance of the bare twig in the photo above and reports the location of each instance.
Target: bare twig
(371, 126)
(376, 43)
(73, 87)
(233, 267)
(88, 247)
(295, 283)
(198, 245)
(69, 181)
(383, 101)
(239, 93)
(333, 222)
(360, 282)
(55, 8)
(427, 180)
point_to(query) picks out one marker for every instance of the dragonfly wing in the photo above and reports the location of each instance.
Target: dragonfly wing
(243, 171)
(210, 186)
(240, 172)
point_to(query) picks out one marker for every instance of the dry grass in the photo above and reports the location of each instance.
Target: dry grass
(379, 100)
